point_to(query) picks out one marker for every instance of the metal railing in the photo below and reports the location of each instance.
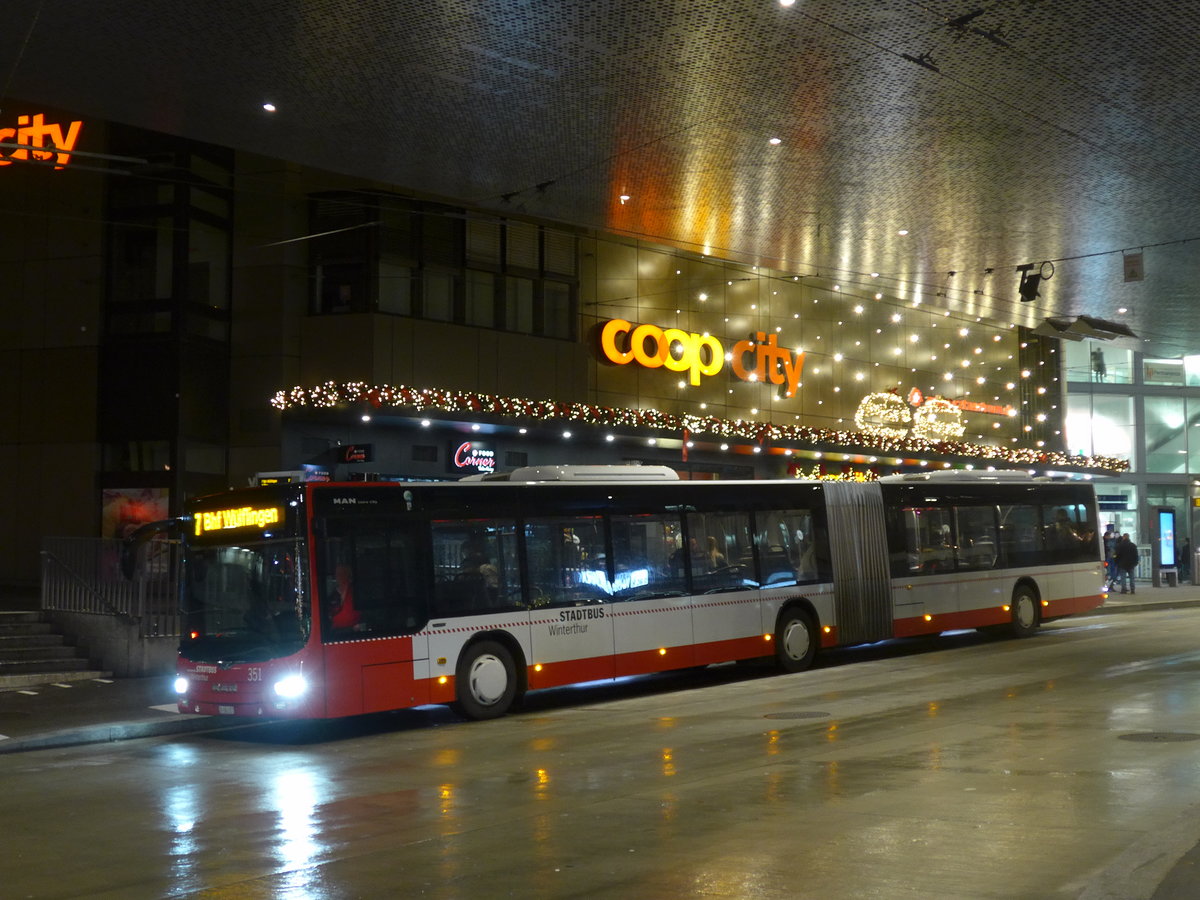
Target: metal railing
(83, 575)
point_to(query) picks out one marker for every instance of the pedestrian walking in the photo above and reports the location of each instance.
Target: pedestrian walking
(1110, 560)
(1127, 559)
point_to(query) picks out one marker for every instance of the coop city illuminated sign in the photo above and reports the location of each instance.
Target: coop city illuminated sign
(758, 359)
(38, 141)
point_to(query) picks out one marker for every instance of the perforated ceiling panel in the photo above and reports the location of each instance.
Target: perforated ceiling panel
(995, 133)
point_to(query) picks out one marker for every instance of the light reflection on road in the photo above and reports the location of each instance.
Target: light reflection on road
(294, 794)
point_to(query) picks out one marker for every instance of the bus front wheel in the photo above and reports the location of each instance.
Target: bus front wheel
(1025, 617)
(795, 641)
(486, 681)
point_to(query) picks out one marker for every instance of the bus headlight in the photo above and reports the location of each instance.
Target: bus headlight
(291, 687)
(181, 685)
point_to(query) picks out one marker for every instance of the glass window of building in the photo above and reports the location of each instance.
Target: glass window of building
(395, 289)
(341, 287)
(1097, 363)
(1118, 505)
(437, 299)
(1100, 425)
(1166, 434)
(208, 265)
(521, 245)
(518, 304)
(483, 242)
(560, 311)
(481, 299)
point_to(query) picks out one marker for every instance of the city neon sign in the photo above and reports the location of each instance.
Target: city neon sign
(36, 140)
(757, 359)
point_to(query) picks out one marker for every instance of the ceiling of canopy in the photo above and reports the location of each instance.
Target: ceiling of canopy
(926, 150)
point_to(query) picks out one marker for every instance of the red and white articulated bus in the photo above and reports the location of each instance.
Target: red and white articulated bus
(322, 600)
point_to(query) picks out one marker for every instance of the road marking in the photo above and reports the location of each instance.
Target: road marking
(28, 693)
(62, 685)
(103, 680)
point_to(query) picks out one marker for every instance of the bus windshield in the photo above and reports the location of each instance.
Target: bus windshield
(245, 602)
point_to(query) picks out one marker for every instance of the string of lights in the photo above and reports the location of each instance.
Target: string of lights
(332, 395)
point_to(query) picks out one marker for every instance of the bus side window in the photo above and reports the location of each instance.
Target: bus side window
(976, 547)
(650, 558)
(928, 542)
(370, 579)
(792, 548)
(475, 566)
(726, 559)
(566, 561)
(1070, 533)
(1020, 535)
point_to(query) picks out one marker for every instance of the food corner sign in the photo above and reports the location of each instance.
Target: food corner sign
(759, 359)
(36, 140)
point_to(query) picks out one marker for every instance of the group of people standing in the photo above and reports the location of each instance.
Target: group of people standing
(1120, 558)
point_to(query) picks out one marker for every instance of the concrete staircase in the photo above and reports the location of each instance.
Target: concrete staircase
(33, 652)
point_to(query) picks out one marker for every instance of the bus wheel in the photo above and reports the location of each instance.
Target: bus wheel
(486, 681)
(1025, 618)
(795, 641)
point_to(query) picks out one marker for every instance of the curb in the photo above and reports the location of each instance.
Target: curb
(119, 731)
(187, 724)
(1148, 606)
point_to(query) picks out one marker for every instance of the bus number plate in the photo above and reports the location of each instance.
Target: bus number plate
(225, 710)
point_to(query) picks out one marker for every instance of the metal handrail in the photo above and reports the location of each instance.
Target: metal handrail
(90, 589)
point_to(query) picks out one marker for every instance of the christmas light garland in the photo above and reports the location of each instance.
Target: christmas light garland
(334, 394)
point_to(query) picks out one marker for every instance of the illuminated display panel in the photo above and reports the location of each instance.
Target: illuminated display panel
(244, 518)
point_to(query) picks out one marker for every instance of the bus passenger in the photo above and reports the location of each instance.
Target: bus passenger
(715, 558)
(478, 567)
(1063, 534)
(345, 614)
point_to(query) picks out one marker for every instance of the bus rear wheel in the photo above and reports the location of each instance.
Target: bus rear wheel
(795, 641)
(1025, 618)
(486, 681)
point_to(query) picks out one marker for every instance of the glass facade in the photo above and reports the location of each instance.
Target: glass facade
(1098, 363)
(1101, 424)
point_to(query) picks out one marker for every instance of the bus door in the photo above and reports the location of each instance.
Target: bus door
(726, 604)
(570, 598)
(859, 551)
(373, 604)
(652, 621)
(923, 553)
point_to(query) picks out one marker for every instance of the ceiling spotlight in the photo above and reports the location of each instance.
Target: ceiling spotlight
(269, 107)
